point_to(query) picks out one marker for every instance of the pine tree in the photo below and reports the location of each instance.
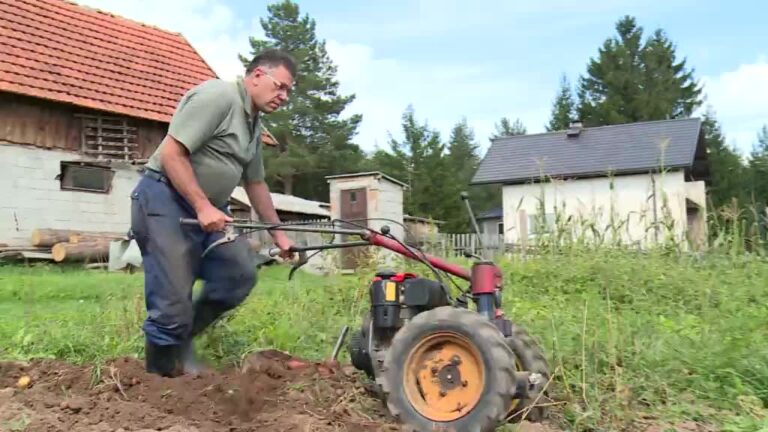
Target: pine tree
(727, 171)
(563, 107)
(461, 162)
(418, 161)
(632, 81)
(506, 128)
(758, 169)
(314, 140)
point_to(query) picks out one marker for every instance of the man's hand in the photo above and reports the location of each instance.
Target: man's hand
(284, 244)
(212, 219)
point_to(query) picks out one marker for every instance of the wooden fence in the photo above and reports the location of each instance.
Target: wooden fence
(454, 245)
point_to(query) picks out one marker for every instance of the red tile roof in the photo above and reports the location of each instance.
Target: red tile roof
(61, 51)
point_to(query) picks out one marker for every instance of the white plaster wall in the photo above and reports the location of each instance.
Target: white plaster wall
(594, 200)
(384, 200)
(489, 226)
(389, 205)
(30, 196)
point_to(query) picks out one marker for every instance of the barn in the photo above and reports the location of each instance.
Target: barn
(85, 98)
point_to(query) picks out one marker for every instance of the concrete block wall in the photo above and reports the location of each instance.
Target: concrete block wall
(31, 196)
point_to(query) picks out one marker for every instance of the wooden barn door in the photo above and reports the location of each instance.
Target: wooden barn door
(354, 205)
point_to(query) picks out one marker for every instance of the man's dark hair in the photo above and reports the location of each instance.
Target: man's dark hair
(273, 58)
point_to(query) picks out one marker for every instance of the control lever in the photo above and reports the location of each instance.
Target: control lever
(273, 252)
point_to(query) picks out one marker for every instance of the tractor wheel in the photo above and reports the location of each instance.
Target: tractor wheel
(529, 358)
(449, 369)
(358, 353)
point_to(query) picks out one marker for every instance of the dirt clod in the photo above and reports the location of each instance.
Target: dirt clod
(271, 392)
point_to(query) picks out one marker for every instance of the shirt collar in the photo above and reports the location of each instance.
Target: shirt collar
(247, 104)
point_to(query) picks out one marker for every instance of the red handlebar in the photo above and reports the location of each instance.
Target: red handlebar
(388, 243)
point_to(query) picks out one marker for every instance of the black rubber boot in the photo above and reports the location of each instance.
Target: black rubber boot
(163, 360)
(205, 314)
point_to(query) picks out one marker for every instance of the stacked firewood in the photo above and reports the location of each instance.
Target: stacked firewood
(74, 246)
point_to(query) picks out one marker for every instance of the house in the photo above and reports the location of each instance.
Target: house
(637, 183)
(85, 98)
(491, 222)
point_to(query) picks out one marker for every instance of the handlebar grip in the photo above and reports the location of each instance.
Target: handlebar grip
(188, 221)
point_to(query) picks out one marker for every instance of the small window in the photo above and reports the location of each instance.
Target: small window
(538, 225)
(84, 177)
(500, 228)
(109, 138)
(353, 197)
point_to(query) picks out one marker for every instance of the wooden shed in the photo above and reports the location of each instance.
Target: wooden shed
(85, 98)
(372, 199)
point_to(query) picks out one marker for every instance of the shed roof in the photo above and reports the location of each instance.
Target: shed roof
(64, 52)
(287, 203)
(595, 151)
(377, 174)
(495, 213)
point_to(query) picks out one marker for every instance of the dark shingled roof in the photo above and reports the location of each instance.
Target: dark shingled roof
(618, 149)
(491, 214)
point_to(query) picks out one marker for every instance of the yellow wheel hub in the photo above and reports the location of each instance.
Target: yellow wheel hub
(444, 377)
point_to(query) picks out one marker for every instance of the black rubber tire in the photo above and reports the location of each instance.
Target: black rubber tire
(358, 353)
(497, 358)
(531, 358)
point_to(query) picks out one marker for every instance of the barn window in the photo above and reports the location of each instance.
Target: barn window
(108, 137)
(78, 176)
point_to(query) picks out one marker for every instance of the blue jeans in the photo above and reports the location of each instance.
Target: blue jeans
(171, 257)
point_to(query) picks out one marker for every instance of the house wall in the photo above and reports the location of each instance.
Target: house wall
(30, 196)
(489, 226)
(51, 125)
(630, 200)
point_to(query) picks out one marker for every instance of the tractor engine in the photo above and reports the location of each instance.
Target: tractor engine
(395, 298)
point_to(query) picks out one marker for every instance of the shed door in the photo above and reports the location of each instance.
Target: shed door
(354, 205)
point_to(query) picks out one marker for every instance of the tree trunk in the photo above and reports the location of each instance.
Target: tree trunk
(288, 185)
(49, 237)
(90, 251)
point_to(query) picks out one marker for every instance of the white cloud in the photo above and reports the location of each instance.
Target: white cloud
(441, 93)
(739, 98)
(212, 27)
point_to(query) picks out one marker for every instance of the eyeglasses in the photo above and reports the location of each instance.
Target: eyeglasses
(281, 86)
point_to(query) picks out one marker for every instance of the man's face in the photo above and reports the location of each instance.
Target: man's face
(269, 88)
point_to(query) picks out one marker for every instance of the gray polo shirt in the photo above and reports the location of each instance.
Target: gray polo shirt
(216, 122)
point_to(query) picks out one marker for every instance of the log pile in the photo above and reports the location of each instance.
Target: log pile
(66, 245)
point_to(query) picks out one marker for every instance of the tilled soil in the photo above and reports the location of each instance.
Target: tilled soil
(269, 393)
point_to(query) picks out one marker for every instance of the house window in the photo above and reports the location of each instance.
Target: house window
(108, 138)
(538, 225)
(353, 197)
(79, 176)
(500, 228)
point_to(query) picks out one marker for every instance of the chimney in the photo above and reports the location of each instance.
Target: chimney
(574, 129)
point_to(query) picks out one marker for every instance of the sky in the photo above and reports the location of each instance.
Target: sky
(485, 60)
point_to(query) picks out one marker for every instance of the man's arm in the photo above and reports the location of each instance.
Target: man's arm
(175, 160)
(261, 200)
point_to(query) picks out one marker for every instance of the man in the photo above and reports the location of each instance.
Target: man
(213, 145)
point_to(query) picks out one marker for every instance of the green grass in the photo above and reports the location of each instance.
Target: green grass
(630, 335)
